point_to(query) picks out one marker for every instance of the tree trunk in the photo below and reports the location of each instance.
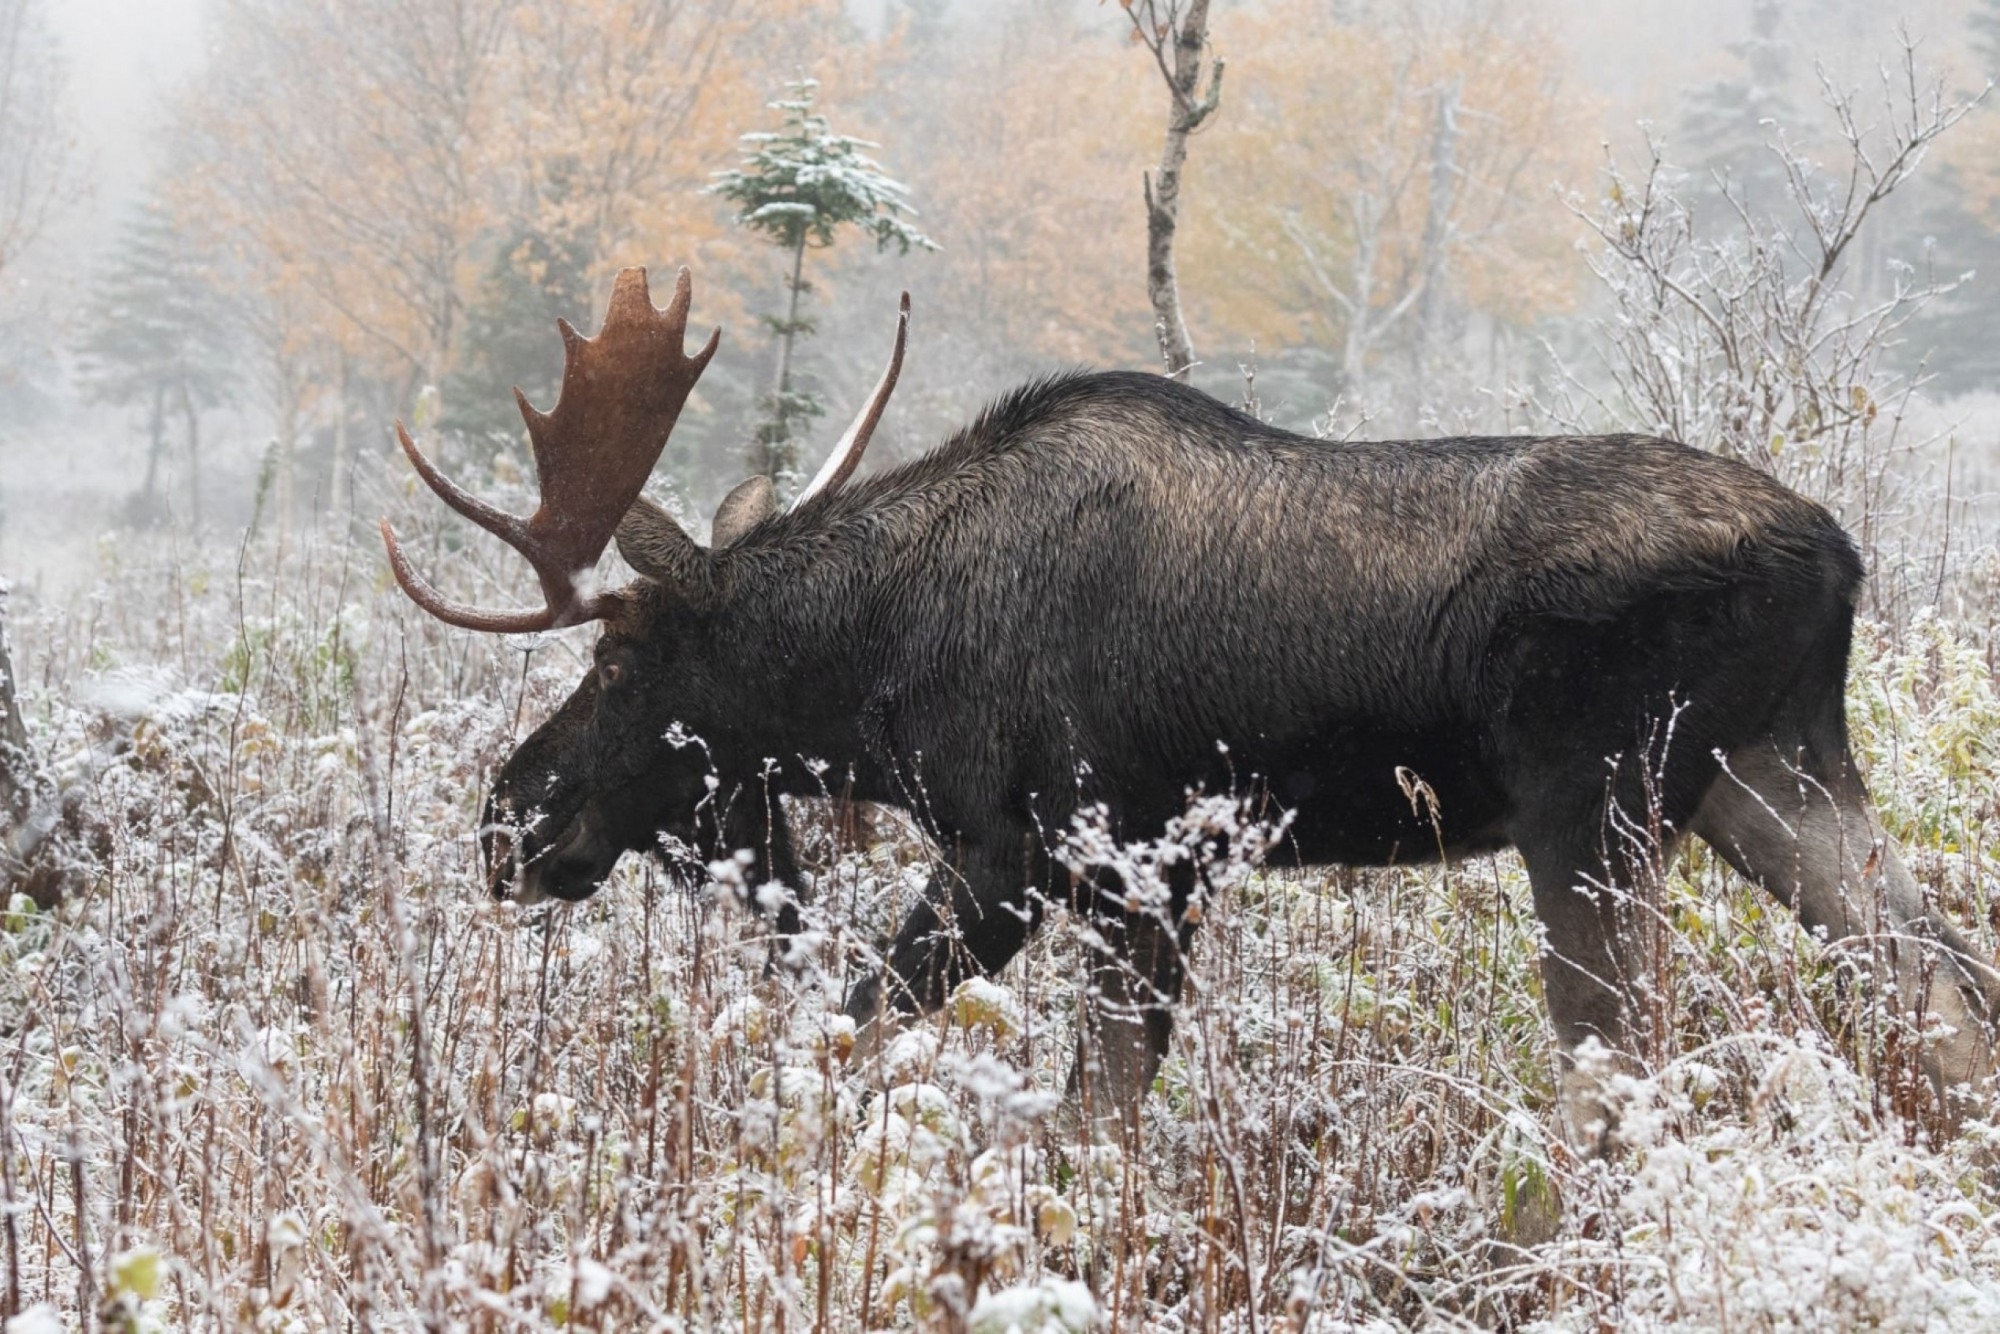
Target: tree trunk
(1185, 114)
(15, 776)
(285, 446)
(777, 454)
(149, 493)
(1360, 333)
(193, 418)
(1437, 229)
(337, 484)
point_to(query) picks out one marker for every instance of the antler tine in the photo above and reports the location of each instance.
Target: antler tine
(496, 521)
(846, 456)
(677, 305)
(458, 613)
(622, 391)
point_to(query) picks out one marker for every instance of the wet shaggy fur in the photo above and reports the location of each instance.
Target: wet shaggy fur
(1112, 589)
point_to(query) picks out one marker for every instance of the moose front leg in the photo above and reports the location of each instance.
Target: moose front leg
(755, 823)
(1595, 962)
(1135, 982)
(969, 921)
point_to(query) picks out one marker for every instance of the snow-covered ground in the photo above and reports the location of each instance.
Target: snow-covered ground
(278, 1064)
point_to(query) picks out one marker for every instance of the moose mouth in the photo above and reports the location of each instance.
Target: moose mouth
(529, 867)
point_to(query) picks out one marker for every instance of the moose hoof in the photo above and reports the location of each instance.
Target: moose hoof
(1599, 1086)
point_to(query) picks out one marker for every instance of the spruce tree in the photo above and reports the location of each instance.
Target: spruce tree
(159, 332)
(799, 187)
(534, 279)
(1729, 125)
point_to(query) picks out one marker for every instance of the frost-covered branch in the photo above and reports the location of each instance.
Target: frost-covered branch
(1752, 334)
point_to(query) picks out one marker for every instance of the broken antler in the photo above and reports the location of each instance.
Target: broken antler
(846, 456)
(621, 393)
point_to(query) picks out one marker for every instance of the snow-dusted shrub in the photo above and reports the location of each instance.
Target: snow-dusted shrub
(282, 1064)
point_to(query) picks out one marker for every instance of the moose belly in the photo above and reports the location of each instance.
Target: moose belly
(1358, 794)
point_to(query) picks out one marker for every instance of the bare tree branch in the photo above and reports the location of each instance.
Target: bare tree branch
(1746, 335)
(1161, 25)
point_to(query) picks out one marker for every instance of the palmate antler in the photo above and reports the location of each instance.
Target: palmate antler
(621, 394)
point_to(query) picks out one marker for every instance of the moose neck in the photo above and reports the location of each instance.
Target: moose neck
(790, 644)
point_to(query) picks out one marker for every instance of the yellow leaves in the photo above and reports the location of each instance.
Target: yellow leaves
(365, 183)
(745, 1019)
(136, 1273)
(1025, 143)
(546, 1119)
(980, 1003)
(1357, 157)
(257, 738)
(912, 1130)
(1862, 405)
(1055, 1218)
(69, 1061)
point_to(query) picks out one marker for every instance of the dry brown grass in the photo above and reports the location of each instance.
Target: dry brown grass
(281, 1066)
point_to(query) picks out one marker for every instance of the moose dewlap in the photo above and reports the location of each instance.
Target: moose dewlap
(1111, 589)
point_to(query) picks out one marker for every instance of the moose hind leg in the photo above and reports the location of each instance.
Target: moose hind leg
(1592, 975)
(1804, 831)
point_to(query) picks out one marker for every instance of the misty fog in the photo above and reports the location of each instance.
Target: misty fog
(1022, 132)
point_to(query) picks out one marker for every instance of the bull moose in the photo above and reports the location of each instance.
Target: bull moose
(1113, 590)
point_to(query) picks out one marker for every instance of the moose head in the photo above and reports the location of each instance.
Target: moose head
(620, 766)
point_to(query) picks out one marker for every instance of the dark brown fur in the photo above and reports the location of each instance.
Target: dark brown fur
(1077, 598)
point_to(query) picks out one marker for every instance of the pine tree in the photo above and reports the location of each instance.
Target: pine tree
(534, 280)
(1729, 125)
(799, 187)
(160, 332)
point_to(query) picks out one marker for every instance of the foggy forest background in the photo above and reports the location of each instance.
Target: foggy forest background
(313, 219)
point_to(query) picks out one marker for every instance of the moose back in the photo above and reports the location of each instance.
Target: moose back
(1112, 590)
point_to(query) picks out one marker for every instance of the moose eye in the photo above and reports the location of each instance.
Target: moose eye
(610, 674)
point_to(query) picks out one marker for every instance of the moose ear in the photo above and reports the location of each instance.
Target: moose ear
(742, 509)
(654, 545)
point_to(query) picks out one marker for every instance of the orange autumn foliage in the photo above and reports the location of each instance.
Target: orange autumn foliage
(1026, 141)
(365, 157)
(1360, 159)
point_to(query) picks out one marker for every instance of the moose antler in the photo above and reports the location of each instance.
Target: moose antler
(846, 456)
(621, 393)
